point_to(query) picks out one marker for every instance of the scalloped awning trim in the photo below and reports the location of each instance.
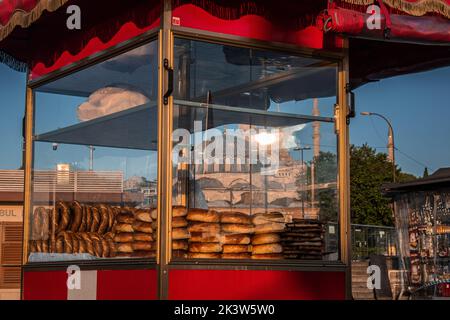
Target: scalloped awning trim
(418, 8)
(24, 19)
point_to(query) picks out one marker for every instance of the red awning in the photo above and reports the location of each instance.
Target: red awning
(23, 13)
(433, 27)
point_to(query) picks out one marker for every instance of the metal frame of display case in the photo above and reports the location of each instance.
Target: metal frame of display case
(165, 36)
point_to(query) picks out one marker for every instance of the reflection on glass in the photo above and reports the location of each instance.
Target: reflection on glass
(254, 160)
(95, 162)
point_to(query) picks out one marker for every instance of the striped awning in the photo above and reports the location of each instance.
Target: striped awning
(22, 13)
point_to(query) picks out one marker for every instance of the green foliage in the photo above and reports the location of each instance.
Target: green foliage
(425, 173)
(369, 170)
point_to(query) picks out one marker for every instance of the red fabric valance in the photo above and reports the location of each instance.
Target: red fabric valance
(23, 13)
(410, 7)
(401, 27)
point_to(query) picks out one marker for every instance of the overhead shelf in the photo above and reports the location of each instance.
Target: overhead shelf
(137, 128)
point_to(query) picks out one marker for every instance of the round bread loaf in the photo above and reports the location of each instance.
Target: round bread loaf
(154, 214)
(205, 237)
(196, 255)
(237, 256)
(201, 215)
(124, 227)
(141, 236)
(235, 239)
(273, 256)
(204, 227)
(154, 225)
(238, 228)
(124, 247)
(180, 234)
(124, 237)
(236, 248)
(180, 245)
(264, 218)
(179, 211)
(143, 246)
(140, 226)
(205, 247)
(266, 238)
(236, 217)
(143, 215)
(179, 222)
(267, 248)
(270, 228)
(144, 254)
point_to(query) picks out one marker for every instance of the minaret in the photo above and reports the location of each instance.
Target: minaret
(316, 150)
(316, 127)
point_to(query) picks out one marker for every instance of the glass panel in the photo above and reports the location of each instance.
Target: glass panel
(95, 162)
(255, 155)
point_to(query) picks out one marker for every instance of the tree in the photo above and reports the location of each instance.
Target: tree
(425, 172)
(369, 170)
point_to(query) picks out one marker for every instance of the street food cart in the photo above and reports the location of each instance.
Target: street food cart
(230, 117)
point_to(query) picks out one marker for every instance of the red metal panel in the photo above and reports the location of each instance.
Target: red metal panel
(127, 285)
(50, 285)
(249, 26)
(255, 285)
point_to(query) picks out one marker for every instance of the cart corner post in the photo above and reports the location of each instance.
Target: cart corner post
(344, 168)
(165, 120)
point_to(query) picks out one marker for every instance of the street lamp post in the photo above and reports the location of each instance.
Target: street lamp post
(302, 150)
(391, 144)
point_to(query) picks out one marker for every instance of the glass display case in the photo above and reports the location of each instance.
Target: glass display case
(95, 161)
(255, 153)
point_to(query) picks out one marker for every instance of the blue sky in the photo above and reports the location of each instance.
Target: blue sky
(417, 104)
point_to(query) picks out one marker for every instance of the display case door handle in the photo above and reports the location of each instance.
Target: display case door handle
(170, 82)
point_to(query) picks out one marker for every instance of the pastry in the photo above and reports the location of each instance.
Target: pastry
(179, 222)
(180, 234)
(204, 227)
(124, 237)
(105, 248)
(201, 215)
(88, 218)
(143, 215)
(123, 227)
(238, 228)
(205, 247)
(83, 219)
(236, 248)
(111, 218)
(267, 249)
(237, 218)
(180, 245)
(154, 214)
(269, 228)
(95, 219)
(264, 218)
(126, 247)
(204, 237)
(64, 216)
(141, 236)
(178, 211)
(266, 238)
(140, 226)
(125, 217)
(77, 216)
(104, 219)
(235, 239)
(143, 246)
